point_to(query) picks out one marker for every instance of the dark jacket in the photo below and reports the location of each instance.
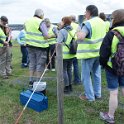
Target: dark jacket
(105, 49)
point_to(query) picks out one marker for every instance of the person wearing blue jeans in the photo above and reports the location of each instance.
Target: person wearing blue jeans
(89, 41)
(24, 56)
(91, 67)
(76, 72)
(21, 41)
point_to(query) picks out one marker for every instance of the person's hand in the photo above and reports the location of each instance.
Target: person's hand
(5, 43)
(53, 36)
(80, 35)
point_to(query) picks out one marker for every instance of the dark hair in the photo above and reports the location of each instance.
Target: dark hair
(4, 19)
(102, 16)
(92, 9)
(66, 20)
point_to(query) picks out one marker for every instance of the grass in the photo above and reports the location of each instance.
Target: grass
(75, 110)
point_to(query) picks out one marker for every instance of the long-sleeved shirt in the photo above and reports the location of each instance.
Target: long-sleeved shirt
(21, 37)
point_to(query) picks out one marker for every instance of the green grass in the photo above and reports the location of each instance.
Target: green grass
(75, 110)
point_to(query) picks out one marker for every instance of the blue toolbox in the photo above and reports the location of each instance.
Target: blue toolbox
(38, 102)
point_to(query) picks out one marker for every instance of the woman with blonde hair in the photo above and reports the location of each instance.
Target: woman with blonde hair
(109, 48)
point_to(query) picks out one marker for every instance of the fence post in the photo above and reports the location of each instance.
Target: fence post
(60, 85)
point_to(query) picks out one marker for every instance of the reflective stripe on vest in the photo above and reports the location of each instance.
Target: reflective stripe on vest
(89, 48)
(114, 44)
(50, 32)
(33, 36)
(66, 54)
(2, 37)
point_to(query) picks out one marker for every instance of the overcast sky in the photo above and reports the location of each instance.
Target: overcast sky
(19, 10)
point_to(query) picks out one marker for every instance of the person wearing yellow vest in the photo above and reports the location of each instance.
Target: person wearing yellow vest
(37, 44)
(52, 30)
(108, 48)
(77, 79)
(6, 56)
(65, 38)
(107, 23)
(91, 37)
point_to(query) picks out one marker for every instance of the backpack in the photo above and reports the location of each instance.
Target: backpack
(73, 45)
(118, 58)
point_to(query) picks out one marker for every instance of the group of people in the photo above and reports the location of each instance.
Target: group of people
(96, 45)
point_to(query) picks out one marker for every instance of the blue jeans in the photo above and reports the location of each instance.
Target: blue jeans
(67, 71)
(24, 54)
(76, 71)
(91, 68)
(114, 81)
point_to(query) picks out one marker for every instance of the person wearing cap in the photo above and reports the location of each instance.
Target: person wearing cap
(52, 30)
(6, 67)
(77, 79)
(90, 38)
(37, 44)
(107, 50)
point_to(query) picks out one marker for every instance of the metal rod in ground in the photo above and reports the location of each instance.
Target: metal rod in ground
(59, 68)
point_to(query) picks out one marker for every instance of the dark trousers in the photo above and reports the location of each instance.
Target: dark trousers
(76, 71)
(50, 52)
(24, 54)
(67, 71)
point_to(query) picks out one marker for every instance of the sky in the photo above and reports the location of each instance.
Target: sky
(18, 11)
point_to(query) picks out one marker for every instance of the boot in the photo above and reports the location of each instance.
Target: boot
(66, 89)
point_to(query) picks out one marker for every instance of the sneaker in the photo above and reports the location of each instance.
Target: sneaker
(98, 97)
(31, 84)
(53, 69)
(24, 65)
(5, 77)
(104, 116)
(83, 97)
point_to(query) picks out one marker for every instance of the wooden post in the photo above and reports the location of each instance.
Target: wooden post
(60, 85)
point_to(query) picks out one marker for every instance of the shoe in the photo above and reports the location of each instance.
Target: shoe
(83, 97)
(5, 77)
(98, 97)
(53, 69)
(104, 116)
(31, 83)
(24, 65)
(66, 90)
(9, 74)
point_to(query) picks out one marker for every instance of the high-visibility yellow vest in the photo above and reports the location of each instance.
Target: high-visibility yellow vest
(89, 48)
(2, 37)
(50, 32)
(74, 25)
(66, 54)
(34, 36)
(114, 43)
(107, 24)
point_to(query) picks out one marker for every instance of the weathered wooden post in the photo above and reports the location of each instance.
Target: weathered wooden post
(60, 85)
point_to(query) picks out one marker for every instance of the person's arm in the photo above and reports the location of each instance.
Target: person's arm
(60, 37)
(105, 49)
(20, 36)
(44, 30)
(82, 33)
